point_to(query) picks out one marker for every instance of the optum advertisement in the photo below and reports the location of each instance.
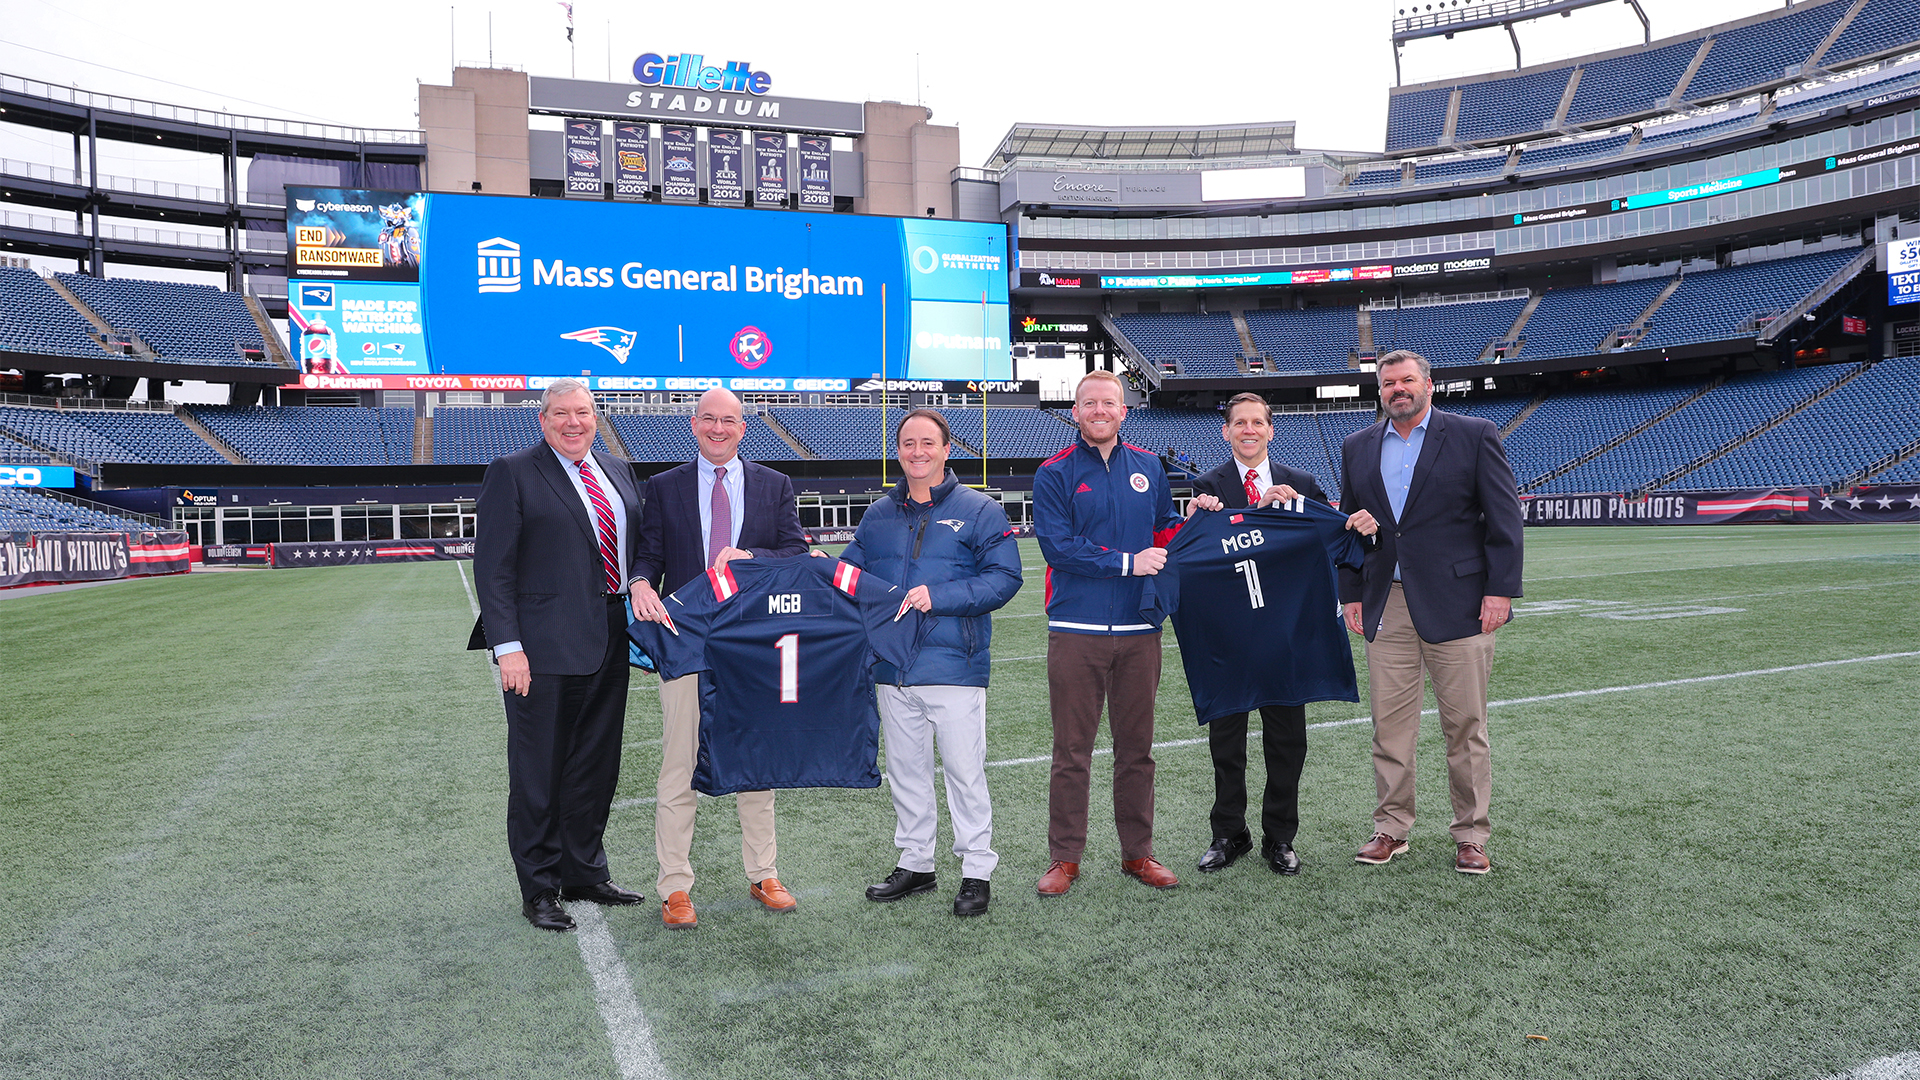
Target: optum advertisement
(544, 287)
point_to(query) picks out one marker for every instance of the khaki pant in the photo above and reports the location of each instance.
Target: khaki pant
(1396, 661)
(673, 814)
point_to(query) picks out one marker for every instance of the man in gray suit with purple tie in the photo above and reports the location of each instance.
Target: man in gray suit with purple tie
(707, 513)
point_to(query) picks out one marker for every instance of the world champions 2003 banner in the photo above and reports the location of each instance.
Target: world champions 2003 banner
(639, 297)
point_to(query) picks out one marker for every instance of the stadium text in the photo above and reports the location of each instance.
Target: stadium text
(1604, 508)
(690, 70)
(635, 276)
(63, 556)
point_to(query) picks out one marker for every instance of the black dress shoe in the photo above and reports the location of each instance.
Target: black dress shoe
(902, 882)
(1280, 857)
(973, 897)
(1224, 851)
(604, 893)
(545, 913)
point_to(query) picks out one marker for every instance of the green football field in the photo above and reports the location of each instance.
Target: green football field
(252, 825)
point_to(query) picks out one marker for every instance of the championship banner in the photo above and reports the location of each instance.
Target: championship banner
(769, 168)
(1800, 506)
(726, 182)
(816, 172)
(679, 176)
(630, 161)
(586, 168)
(39, 558)
(365, 552)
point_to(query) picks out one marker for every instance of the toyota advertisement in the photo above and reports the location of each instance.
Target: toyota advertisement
(657, 296)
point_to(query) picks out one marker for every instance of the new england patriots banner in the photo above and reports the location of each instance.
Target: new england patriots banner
(630, 152)
(816, 172)
(679, 175)
(1800, 506)
(363, 552)
(586, 164)
(40, 558)
(769, 168)
(726, 182)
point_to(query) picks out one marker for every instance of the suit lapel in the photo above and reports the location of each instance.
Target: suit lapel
(1430, 448)
(547, 464)
(1370, 472)
(1236, 486)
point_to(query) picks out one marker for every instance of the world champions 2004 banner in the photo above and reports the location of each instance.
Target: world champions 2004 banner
(642, 297)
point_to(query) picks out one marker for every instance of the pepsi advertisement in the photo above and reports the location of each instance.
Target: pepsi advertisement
(357, 328)
(653, 291)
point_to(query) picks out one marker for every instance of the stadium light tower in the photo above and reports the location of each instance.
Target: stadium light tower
(1445, 18)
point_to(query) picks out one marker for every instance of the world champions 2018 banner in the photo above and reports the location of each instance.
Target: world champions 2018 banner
(658, 297)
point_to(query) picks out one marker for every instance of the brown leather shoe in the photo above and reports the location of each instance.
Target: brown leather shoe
(1150, 872)
(676, 911)
(1380, 848)
(773, 894)
(1471, 859)
(1058, 878)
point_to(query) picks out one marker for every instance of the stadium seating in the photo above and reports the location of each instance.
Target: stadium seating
(1497, 411)
(11, 454)
(1719, 304)
(276, 435)
(853, 433)
(1564, 426)
(1565, 153)
(1866, 86)
(1016, 433)
(1762, 52)
(475, 435)
(1676, 133)
(1574, 321)
(184, 323)
(110, 435)
(1881, 25)
(1716, 418)
(669, 437)
(35, 319)
(1446, 334)
(1417, 119)
(1460, 168)
(28, 510)
(1376, 178)
(1516, 105)
(1317, 339)
(1631, 84)
(1870, 417)
(1198, 344)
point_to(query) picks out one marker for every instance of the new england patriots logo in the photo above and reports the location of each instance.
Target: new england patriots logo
(953, 523)
(611, 338)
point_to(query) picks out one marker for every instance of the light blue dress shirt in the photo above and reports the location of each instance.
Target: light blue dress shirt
(1398, 456)
(736, 498)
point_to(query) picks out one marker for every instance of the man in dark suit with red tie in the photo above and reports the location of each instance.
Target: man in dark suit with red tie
(706, 513)
(554, 541)
(1251, 479)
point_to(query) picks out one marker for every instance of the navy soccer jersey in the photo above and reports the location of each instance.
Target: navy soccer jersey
(1256, 606)
(785, 648)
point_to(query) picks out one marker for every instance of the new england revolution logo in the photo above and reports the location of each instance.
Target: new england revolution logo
(751, 347)
(611, 338)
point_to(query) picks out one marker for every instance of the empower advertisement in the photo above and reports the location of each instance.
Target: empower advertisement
(769, 168)
(586, 162)
(612, 290)
(726, 182)
(816, 172)
(357, 328)
(355, 235)
(630, 152)
(679, 176)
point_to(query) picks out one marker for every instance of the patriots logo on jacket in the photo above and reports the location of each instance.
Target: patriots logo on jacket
(953, 523)
(611, 338)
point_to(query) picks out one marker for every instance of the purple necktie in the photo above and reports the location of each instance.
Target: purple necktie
(720, 532)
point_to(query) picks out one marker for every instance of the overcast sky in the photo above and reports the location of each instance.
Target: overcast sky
(1327, 66)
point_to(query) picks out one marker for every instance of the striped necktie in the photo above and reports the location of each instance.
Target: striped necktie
(609, 534)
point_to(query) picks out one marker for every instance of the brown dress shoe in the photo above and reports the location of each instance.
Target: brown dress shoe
(1150, 872)
(773, 894)
(676, 911)
(1380, 848)
(1058, 878)
(1471, 859)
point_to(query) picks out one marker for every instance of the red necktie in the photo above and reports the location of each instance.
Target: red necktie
(1253, 487)
(719, 517)
(609, 535)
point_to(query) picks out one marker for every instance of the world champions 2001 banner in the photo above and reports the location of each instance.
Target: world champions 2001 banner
(643, 297)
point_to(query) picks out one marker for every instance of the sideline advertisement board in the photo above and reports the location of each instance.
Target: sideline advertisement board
(43, 558)
(1781, 505)
(37, 476)
(364, 552)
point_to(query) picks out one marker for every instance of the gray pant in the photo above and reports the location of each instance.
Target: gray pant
(915, 718)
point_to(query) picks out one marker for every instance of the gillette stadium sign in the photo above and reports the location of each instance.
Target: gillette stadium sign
(684, 88)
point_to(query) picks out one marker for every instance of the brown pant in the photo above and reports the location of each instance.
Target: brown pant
(673, 813)
(1396, 661)
(1085, 672)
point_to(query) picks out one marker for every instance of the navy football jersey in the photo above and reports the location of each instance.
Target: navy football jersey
(1256, 606)
(785, 649)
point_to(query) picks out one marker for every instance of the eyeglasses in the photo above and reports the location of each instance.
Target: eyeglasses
(717, 421)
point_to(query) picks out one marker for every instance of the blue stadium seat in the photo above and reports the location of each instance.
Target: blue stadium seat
(1719, 305)
(1565, 426)
(1459, 168)
(184, 323)
(1869, 418)
(1446, 334)
(1574, 321)
(1566, 153)
(1317, 339)
(1628, 85)
(1199, 344)
(306, 435)
(1762, 52)
(111, 435)
(35, 319)
(475, 435)
(1417, 119)
(1881, 25)
(27, 510)
(1516, 105)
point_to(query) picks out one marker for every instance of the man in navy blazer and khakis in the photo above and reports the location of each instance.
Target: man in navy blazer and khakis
(707, 513)
(1439, 581)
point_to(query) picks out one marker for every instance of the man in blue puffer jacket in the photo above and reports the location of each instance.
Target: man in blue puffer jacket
(952, 548)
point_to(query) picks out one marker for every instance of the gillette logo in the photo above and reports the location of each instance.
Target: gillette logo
(689, 71)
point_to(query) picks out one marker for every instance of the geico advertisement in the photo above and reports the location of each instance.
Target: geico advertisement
(546, 287)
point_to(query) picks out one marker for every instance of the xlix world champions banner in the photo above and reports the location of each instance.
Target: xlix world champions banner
(726, 183)
(630, 151)
(816, 172)
(586, 161)
(769, 168)
(679, 175)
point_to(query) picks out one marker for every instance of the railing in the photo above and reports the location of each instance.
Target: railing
(1451, 298)
(207, 118)
(126, 404)
(14, 219)
(57, 174)
(149, 520)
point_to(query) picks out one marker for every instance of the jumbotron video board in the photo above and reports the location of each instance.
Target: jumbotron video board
(417, 288)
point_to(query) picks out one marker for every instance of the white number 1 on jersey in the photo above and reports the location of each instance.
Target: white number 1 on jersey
(789, 646)
(1255, 597)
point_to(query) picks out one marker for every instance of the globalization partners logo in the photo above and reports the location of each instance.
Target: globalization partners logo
(926, 260)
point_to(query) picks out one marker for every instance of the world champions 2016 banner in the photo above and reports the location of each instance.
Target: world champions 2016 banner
(652, 297)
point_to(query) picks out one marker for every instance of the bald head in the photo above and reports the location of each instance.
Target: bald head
(718, 425)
